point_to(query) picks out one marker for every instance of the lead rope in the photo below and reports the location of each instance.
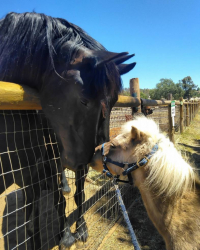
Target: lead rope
(121, 203)
(125, 215)
(127, 172)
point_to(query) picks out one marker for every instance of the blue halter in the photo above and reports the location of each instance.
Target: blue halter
(131, 166)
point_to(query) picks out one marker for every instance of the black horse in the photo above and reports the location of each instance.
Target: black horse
(78, 81)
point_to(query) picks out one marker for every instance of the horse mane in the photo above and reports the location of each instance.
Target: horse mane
(168, 173)
(28, 44)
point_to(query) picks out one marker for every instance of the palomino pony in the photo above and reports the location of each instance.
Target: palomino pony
(169, 187)
(78, 82)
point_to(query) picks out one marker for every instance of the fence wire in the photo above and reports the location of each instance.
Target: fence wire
(160, 115)
(30, 188)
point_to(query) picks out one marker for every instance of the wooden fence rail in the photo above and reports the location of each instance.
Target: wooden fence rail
(17, 97)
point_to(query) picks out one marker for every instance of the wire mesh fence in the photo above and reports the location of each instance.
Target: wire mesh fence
(160, 115)
(31, 197)
(30, 163)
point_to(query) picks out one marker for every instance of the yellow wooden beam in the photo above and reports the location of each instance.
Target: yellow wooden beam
(127, 101)
(14, 96)
(17, 97)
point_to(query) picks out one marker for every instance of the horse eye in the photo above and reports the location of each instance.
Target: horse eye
(84, 101)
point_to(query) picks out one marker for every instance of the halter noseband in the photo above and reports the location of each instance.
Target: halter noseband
(131, 166)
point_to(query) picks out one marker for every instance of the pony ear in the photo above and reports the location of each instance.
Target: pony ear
(136, 134)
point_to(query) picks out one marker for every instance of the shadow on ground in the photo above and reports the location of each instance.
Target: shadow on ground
(192, 153)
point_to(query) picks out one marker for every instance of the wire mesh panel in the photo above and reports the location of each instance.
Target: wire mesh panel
(100, 209)
(160, 116)
(121, 115)
(32, 202)
(30, 164)
(118, 117)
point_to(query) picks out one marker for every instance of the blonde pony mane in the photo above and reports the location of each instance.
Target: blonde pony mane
(168, 173)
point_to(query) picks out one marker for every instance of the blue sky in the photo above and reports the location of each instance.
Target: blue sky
(163, 34)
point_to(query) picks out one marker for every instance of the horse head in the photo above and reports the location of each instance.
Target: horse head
(79, 98)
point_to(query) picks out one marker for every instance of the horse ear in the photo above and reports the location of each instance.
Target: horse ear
(118, 58)
(136, 134)
(102, 57)
(95, 58)
(123, 59)
(125, 68)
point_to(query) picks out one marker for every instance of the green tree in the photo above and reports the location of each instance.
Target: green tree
(188, 86)
(165, 87)
(125, 91)
(143, 95)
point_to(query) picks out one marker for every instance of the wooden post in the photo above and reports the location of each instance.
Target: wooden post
(169, 96)
(187, 115)
(190, 106)
(192, 109)
(171, 128)
(135, 92)
(195, 107)
(181, 115)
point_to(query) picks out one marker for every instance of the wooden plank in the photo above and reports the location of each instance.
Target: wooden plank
(14, 96)
(181, 115)
(148, 102)
(187, 115)
(171, 128)
(127, 101)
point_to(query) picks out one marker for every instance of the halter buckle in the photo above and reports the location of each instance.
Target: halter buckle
(138, 164)
(104, 159)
